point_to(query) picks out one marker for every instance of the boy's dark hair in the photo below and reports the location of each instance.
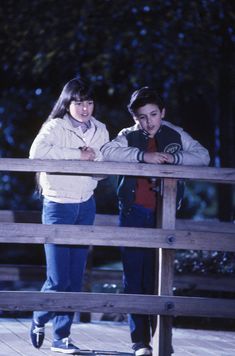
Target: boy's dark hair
(143, 96)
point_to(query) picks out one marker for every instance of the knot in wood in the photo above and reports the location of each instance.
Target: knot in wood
(170, 239)
(169, 306)
(109, 305)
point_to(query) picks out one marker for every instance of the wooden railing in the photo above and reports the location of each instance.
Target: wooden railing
(32, 275)
(167, 237)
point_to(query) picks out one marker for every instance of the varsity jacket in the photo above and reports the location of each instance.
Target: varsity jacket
(59, 139)
(131, 144)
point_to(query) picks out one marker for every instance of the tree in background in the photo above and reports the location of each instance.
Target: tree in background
(185, 49)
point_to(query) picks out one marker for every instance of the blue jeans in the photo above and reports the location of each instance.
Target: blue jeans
(139, 271)
(65, 263)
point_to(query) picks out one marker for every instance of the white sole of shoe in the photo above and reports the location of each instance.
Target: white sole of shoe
(143, 352)
(71, 352)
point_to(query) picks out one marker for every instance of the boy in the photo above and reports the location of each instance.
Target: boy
(150, 140)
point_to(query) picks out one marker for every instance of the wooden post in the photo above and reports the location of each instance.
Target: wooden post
(162, 340)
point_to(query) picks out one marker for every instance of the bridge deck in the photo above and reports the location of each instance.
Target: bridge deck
(111, 338)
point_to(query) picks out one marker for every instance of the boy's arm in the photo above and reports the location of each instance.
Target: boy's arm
(117, 150)
(193, 153)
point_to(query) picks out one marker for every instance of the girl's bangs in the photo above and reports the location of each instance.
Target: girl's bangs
(82, 96)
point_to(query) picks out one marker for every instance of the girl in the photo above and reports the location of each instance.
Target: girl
(71, 132)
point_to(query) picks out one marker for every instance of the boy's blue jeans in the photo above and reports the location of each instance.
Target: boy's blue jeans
(65, 263)
(139, 271)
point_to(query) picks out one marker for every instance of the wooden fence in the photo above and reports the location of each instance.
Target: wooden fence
(167, 237)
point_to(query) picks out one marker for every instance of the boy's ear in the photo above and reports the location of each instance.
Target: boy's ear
(163, 113)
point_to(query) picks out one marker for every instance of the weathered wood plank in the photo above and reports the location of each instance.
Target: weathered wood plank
(213, 225)
(14, 273)
(5, 349)
(107, 338)
(118, 303)
(116, 236)
(166, 257)
(34, 216)
(163, 338)
(20, 216)
(225, 175)
(13, 335)
(184, 281)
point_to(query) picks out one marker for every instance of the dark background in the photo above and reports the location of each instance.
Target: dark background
(185, 49)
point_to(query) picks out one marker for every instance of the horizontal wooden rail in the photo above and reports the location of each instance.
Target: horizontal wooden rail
(34, 216)
(37, 273)
(120, 303)
(116, 236)
(224, 175)
(166, 239)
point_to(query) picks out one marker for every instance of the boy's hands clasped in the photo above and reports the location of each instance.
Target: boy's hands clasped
(158, 157)
(87, 153)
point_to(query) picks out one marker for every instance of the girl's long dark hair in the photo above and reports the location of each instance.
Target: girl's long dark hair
(76, 89)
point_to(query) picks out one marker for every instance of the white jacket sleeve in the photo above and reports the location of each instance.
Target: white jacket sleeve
(193, 152)
(48, 144)
(104, 139)
(117, 150)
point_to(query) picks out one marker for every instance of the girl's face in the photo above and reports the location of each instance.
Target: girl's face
(149, 118)
(81, 110)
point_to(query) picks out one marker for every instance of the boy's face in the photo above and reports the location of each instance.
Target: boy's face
(149, 118)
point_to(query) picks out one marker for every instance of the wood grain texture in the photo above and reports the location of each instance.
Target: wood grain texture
(118, 303)
(225, 175)
(116, 236)
(34, 216)
(163, 336)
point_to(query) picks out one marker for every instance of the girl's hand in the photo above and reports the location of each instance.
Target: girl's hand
(158, 157)
(87, 154)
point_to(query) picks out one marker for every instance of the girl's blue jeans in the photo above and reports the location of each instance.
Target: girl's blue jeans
(139, 271)
(65, 263)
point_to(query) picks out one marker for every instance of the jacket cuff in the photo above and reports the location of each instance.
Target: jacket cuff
(177, 158)
(140, 156)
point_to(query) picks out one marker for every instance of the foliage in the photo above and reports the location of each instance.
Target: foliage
(183, 48)
(205, 262)
(178, 47)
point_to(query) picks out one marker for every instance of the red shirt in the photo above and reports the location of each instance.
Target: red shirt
(145, 195)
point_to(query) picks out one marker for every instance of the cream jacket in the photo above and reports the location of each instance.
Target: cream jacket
(58, 139)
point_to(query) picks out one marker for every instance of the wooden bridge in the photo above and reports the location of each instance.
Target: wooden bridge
(111, 339)
(167, 237)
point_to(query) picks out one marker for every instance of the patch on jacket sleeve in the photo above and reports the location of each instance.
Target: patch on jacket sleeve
(172, 148)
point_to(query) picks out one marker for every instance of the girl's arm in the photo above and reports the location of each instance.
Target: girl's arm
(48, 144)
(103, 139)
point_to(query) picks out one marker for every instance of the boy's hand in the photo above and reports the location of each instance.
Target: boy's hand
(158, 157)
(87, 154)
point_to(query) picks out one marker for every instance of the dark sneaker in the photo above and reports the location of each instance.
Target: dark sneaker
(64, 346)
(142, 349)
(37, 334)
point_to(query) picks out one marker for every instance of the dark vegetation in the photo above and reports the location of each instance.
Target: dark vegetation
(185, 49)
